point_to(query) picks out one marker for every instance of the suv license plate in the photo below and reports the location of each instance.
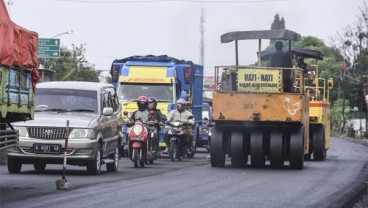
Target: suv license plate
(47, 148)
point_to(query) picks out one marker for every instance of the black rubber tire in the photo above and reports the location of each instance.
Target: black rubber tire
(276, 149)
(257, 151)
(94, 166)
(319, 151)
(296, 154)
(136, 158)
(173, 151)
(39, 166)
(238, 156)
(14, 166)
(113, 167)
(217, 148)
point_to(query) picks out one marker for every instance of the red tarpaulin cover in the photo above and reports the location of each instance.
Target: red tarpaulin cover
(18, 46)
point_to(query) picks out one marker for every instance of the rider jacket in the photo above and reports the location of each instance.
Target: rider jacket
(143, 115)
(175, 115)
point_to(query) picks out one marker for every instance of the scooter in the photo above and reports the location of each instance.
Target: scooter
(152, 127)
(177, 144)
(139, 148)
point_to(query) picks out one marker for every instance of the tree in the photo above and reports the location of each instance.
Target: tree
(340, 114)
(278, 23)
(352, 43)
(72, 65)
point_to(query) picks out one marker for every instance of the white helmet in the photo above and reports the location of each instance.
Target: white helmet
(181, 104)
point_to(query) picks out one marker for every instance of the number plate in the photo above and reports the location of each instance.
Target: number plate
(47, 148)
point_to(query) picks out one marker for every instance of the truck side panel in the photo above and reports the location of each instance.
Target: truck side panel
(16, 94)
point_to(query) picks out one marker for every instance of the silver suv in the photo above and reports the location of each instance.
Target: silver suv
(94, 128)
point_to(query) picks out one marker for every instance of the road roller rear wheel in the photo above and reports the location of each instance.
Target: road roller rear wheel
(296, 155)
(319, 151)
(276, 149)
(257, 153)
(239, 158)
(217, 148)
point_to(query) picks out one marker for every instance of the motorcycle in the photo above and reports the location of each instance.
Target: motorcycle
(152, 127)
(177, 146)
(139, 147)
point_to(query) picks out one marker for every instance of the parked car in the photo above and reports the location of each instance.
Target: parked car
(94, 127)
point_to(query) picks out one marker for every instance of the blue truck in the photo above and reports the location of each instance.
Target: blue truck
(163, 77)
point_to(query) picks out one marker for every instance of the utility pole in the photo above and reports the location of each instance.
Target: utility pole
(201, 46)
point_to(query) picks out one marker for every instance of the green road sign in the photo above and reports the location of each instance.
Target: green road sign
(48, 48)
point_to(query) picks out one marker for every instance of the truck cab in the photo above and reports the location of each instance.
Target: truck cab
(165, 78)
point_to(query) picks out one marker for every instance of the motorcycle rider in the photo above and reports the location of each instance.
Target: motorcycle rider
(158, 116)
(184, 116)
(142, 111)
(152, 106)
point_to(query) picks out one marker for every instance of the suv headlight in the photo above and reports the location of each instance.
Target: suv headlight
(81, 134)
(22, 131)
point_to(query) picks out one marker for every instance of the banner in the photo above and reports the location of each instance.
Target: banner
(259, 80)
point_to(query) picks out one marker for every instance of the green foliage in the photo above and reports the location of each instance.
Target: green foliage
(352, 42)
(72, 65)
(278, 23)
(336, 112)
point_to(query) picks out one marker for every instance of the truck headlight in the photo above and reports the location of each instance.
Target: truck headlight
(81, 134)
(22, 131)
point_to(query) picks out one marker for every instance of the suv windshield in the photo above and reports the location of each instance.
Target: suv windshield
(130, 92)
(65, 100)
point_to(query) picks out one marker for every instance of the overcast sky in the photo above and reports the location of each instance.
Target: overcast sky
(114, 29)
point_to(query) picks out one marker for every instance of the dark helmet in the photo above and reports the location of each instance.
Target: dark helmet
(152, 103)
(142, 103)
(279, 45)
(181, 105)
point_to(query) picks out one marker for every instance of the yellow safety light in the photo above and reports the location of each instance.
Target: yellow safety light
(330, 83)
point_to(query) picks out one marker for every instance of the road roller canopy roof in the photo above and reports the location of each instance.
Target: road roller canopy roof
(287, 35)
(261, 34)
(306, 53)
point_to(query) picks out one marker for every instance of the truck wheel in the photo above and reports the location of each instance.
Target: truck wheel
(319, 151)
(113, 167)
(14, 166)
(94, 166)
(257, 151)
(276, 149)
(296, 155)
(239, 158)
(217, 148)
(39, 166)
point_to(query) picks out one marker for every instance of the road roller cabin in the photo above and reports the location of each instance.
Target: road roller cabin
(260, 111)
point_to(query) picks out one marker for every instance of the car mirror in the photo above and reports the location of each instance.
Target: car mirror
(107, 111)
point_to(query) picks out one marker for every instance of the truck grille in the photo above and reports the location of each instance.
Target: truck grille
(46, 133)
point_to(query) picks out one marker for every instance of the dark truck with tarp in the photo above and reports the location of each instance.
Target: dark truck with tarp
(18, 76)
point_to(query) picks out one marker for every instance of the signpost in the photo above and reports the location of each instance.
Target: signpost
(48, 48)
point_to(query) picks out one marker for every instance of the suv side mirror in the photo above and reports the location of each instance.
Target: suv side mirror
(107, 111)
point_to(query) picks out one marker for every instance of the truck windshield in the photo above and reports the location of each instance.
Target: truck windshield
(130, 92)
(65, 100)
